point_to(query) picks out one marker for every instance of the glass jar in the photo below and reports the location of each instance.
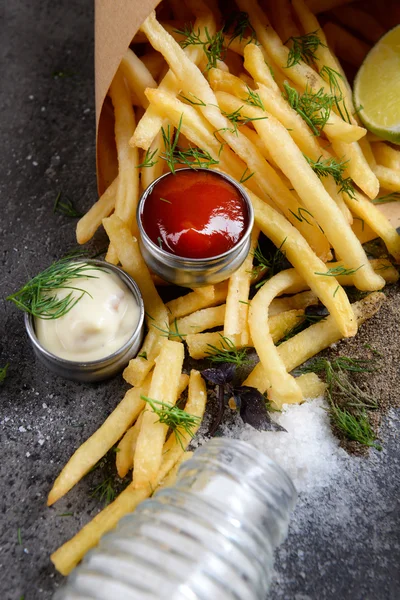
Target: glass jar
(210, 537)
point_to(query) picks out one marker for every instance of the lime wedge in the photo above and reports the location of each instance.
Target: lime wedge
(377, 88)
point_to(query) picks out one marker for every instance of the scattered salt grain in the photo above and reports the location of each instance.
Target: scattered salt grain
(41, 441)
(21, 429)
(44, 405)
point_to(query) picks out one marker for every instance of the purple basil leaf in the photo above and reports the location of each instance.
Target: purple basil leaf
(253, 409)
(220, 375)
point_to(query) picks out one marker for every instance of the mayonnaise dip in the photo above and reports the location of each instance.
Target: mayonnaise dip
(98, 325)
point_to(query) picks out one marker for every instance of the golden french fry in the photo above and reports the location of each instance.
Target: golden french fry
(170, 478)
(91, 221)
(357, 167)
(386, 155)
(154, 167)
(154, 63)
(198, 321)
(127, 445)
(69, 555)
(164, 388)
(311, 386)
(282, 19)
(347, 46)
(312, 193)
(314, 339)
(137, 76)
(298, 301)
(388, 178)
(100, 442)
(185, 305)
(237, 299)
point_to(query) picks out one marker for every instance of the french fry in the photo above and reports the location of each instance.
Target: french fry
(347, 46)
(199, 344)
(170, 478)
(377, 221)
(311, 386)
(298, 301)
(155, 167)
(95, 447)
(128, 252)
(314, 339)
(206, 318)
(386, 155)
(282, 19)
(185, 305)
(137, 76)
(357, 167)
(237, 304)
(388, 178)
(283, 387)
(164, 388)
(154, 63)
(127, 445)
(69, 555)
(312, 193)
(91, 221)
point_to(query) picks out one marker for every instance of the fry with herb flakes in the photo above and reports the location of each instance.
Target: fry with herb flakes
(91, 221)
(164, 388)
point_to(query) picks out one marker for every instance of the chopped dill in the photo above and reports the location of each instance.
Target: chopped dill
(143, 355)
(196, 102)
(303, 48)
(245, 177)
(300, 216)
(213, 46)
(313, 107)
(254, 99)
(339, 270)
(330, 166)
(236, 119)
(66, 207)
(148, 159)
(3, 372)
(171, 333)
(238, 24)
(304, 321)
(332, 77)
(392, 197)
(177, 419)
(39, 298)
(272, 264)
(227, 353)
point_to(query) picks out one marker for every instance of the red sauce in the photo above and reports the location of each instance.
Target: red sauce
(195, 214)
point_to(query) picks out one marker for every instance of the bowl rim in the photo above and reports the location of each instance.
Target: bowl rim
(110, 358)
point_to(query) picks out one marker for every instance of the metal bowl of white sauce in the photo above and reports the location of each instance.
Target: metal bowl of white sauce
(99, 368)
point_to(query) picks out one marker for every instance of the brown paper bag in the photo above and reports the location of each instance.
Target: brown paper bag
(116, 23)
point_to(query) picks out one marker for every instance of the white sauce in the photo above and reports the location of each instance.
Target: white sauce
(98, 325)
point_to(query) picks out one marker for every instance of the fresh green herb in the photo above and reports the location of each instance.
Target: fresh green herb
(213, 46)
(273, 263)
(171, 333)
(348, 402)
(361, 221)
(159, 240)
(67, 514)
(148, 159)
(254, 99)
(165, 200)
(237, 119)
(191, 157)
(244, 302)
(143, 355)
(303, 48)
(339, 270)
(392, 197)
(304, 321)
(177, 419)
(227, 353)
(357, 110)
(105, 491)
(245, 177)
(373, 350)
(332, 77)
(300, 216)
(330, 166)
(65, 207)
(19, 537)
(196, 102)
(239, 24)
(3, 372)
(336, 290)
(38, 297)
(314, 108)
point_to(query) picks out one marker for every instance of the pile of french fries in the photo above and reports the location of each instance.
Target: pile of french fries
(164, 85)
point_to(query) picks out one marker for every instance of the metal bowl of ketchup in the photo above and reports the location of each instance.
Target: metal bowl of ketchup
(195, 226)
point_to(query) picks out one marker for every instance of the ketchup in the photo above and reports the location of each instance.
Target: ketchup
(195, 214)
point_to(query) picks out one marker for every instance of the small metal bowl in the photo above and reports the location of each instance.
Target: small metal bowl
(194, 272)
(103, 368)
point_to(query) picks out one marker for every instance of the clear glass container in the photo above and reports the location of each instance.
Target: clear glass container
(210, 537)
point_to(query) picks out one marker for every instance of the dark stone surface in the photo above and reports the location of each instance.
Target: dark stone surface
(344, 544)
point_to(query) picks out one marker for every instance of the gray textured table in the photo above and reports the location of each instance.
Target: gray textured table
(344, 543)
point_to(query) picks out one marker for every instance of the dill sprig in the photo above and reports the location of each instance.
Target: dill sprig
(66, 207)
(305, 321)
(348, 402)
(313, 107)
(303, 48)
(300, 216)
(227, 352)
(3, 372)
(245, 177)
(236, 119)
(196, 102)
(39, 298)
(148, 159)
(105, 491)
(254, 99)
(213, 46)
(238, 24)
(171, 332)
(176, 418)
(339, 270)
(332, 77)
(330, 166)
(191, 157)
(273, 263)
(392, 197)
